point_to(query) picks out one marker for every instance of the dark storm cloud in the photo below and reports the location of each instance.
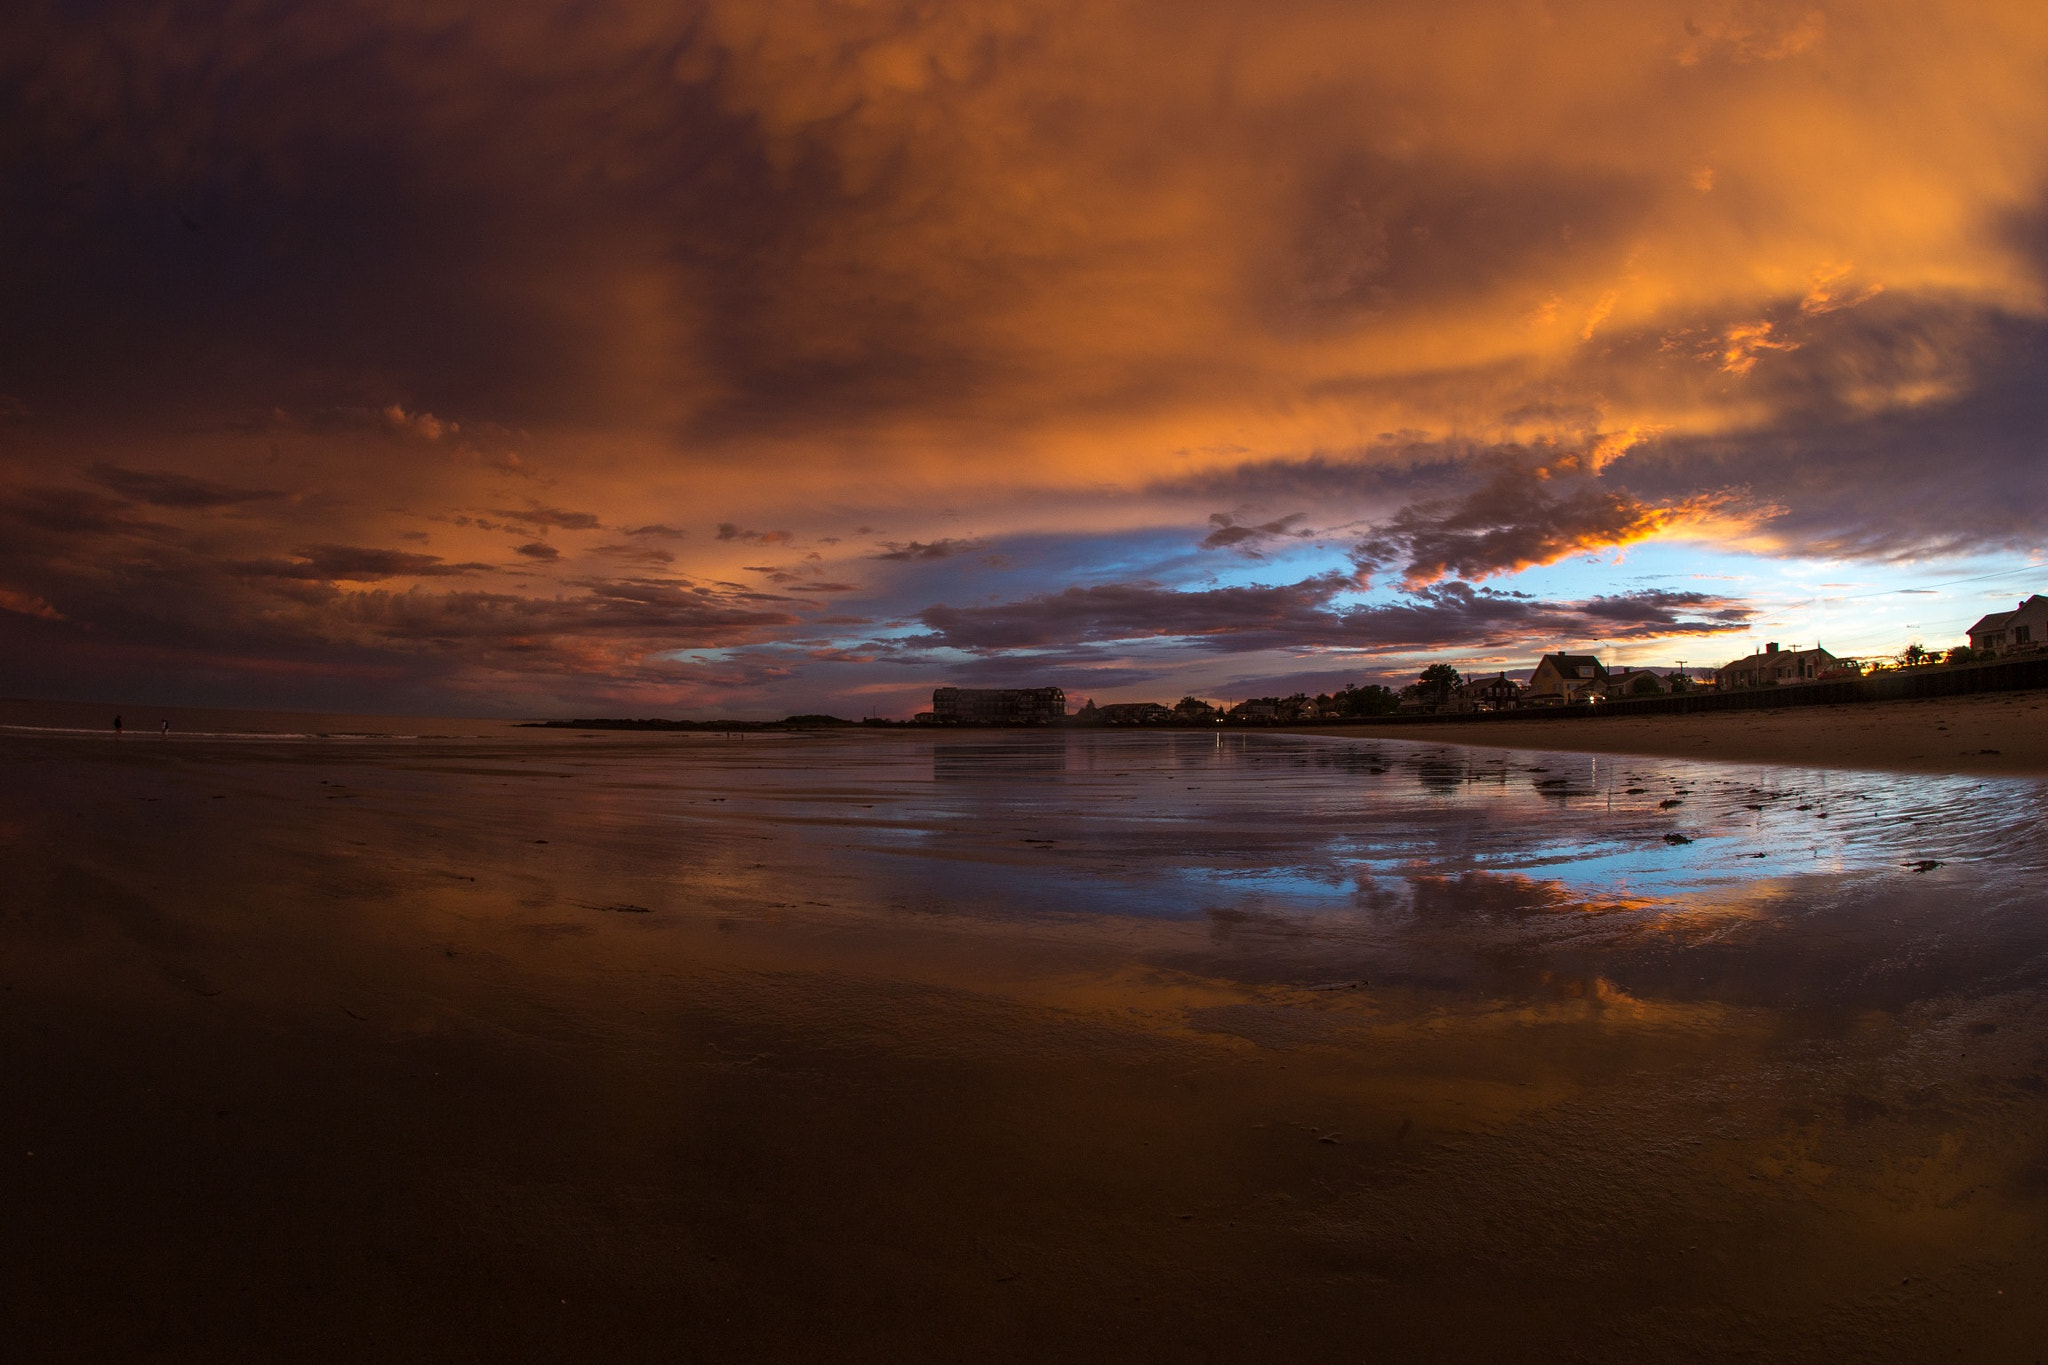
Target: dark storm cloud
(68, 510)
(161, 489)
(1306, 615)
(1519, 518)
(1078, 671)
(730, 531)
(548, 518)
(646, 556)
(537, 549)
(1228, 533)
(1853, 471)
(914, 551)
(652, 615)
(353, 564)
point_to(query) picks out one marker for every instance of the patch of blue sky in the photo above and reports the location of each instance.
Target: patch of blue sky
(1277, 563)
(1050, 563)
(1850, 606)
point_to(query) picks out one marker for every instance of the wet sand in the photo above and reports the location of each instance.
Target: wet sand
(1999, 734)
(1146, 1047)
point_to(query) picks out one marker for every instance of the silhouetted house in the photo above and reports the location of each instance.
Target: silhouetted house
(1635, 682)
(1194, 708)
(998, 705)
(2002, 632)
(1775, 666)
(1500, 693)
(1299, 707)
(1560, 679)
(1256, 709)
(1136, 713)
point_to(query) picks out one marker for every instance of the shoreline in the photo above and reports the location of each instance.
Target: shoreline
(1988, 734)
(2000, 734)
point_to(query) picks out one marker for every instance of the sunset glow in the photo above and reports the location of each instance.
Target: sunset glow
(756, 358)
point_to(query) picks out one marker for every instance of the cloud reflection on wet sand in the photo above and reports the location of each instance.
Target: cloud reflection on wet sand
(1150, 1044)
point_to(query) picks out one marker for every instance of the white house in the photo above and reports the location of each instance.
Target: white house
(1563, 678)
(2004, 631)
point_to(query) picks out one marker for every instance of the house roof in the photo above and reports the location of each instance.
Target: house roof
(1569, 664)
(1999, 620)
(1815, 652)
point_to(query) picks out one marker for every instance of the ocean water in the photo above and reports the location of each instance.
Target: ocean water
(1177, 1042)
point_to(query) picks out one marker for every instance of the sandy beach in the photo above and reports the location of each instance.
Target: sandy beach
(1999, 734)
(1145, 1047)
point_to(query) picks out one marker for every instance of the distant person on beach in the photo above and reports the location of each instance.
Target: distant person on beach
(117, 727)
(166, 731)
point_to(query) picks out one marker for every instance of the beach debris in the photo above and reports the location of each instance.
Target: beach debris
(622, 908)
(1667, 805)
(1637, 791)
(1924, 865)
(1676, 839)
(1331, 1138)
(1341, 985)
(1988, 751)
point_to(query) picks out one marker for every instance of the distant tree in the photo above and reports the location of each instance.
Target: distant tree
(1914, 655)
(1645, 684)
(1680, 682)
(1362, 702)
(1960, 655)
(1437, 683)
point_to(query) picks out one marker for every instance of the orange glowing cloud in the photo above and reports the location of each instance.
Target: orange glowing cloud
(612, 340)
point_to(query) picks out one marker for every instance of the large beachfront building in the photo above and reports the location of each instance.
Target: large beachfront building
(1563, 678)
(1775, 666)
(998, 705)
(2004, 631)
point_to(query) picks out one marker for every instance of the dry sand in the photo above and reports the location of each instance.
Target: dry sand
(2001, 735)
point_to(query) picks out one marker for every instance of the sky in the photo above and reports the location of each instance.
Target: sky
(776, 356)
